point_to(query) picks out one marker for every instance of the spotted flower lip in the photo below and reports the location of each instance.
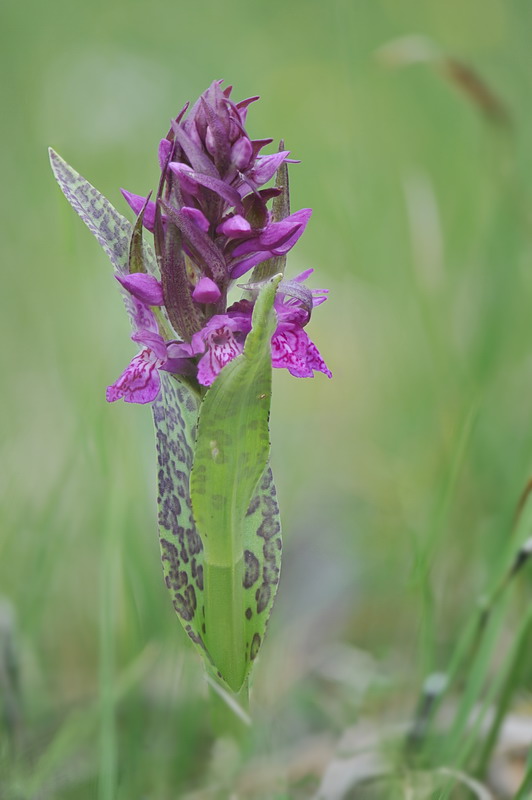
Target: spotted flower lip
(214, 219)
(140, 382)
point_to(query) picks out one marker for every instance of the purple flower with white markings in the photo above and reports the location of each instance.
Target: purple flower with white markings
(224, 335)
(140, 382)
(212, 223)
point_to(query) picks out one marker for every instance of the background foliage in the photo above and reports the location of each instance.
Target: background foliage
(398, 480)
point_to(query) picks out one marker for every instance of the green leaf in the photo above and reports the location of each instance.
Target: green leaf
(232, 451)
(136, 244)
(175, 414)
(262, 562)
(111, 229)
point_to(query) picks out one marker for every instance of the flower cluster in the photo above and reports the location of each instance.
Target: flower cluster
(212, 224)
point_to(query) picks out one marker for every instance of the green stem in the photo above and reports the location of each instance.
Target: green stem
(473, 637)
(229, 710)
(224, 619)
(475, 681)
(511, 681)
(108, 737)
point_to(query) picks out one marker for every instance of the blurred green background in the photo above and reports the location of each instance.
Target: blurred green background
(398, 479)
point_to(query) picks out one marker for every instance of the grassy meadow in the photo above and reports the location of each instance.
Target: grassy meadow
(399, 480)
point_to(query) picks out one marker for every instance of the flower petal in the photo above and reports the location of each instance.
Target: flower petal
(141, 316)
(216, 185)
(242, 152)
(136, 203)
(139, 383)
(199, 160)
(197, 217)
(277, 237)
(240, 267)
(165, 149)
(294, 351)
(196, 239)
(265, 167)
(234, 227)
(289, 351)
(154, 341)
(206, 291)
(144, 287)
(315, 361)
(222, 347)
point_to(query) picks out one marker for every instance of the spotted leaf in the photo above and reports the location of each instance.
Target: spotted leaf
(111, 229)
(175, 413)
(232, 451)
(262, 562)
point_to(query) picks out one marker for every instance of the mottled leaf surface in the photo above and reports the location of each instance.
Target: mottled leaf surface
(262, 562)
(175, 414)
(232, 451)
(111, 229)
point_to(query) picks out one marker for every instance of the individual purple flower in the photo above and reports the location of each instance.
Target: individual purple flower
(140, 381)
(275, 239)
(221, 340)
(291, 347)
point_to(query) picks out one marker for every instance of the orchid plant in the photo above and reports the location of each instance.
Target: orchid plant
(205, 360)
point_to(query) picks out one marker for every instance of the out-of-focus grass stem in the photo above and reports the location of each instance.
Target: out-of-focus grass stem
(478, 640)
(112, 526)
(435, 536)
(509, 681)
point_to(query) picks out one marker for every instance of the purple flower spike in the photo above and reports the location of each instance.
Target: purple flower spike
(206, 291)
(214, 218)
(144, 287)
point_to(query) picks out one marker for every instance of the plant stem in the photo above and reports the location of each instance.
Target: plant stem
(520, 652)
(229, 711)
(224, 619)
